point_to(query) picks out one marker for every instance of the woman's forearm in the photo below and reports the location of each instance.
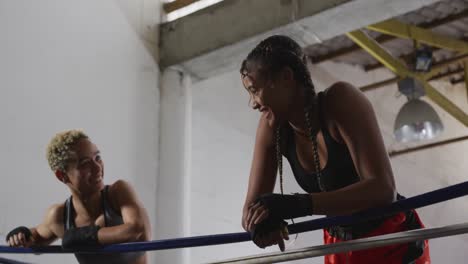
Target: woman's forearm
(129, 232)
(365, 194)
(40, 236)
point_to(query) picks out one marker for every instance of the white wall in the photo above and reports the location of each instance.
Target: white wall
(73, 64)
(220, 150)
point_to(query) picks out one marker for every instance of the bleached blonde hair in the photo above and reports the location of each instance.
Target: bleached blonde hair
(60, 149)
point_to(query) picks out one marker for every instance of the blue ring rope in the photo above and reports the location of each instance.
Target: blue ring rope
(429, 198)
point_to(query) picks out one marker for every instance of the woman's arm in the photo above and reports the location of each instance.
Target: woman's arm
(263, 170)
(43, 234)
(355, 119)
(262, 180)
(136, 226)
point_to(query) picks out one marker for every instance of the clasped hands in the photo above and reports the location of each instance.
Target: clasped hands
(264, 218)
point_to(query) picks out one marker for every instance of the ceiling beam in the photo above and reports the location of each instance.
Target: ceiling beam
(399, 29)
(431, 76)
(457, 81)
(395, 153)
(389, 81)
(372, 47)
(380, 84)
(177, 4)
(385, 38)
(228, 22)
(441, 65)
(378, 65)
(446, 74)
(216, 39)
(405, 57)
(466, 77)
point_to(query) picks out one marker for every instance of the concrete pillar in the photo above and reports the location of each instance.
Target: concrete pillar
(172, 212)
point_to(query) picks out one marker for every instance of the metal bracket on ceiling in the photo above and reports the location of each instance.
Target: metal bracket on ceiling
(379, 53)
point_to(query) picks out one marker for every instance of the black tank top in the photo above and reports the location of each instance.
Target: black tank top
(339, 170)
(111, 218)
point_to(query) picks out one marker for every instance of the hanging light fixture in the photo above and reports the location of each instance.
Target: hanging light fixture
(416, 120)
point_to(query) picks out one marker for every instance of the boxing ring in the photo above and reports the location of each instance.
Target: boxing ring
(426, 199)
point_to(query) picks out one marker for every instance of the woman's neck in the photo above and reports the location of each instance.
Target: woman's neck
(297, 119)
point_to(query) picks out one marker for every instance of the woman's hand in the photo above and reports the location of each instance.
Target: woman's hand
(19, 237)
(265, 231)
(275, 237)
(255, 214)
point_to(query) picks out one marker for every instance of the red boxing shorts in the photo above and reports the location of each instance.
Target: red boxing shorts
(392, 254)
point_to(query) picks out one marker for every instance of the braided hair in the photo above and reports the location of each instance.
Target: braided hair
(274, 54)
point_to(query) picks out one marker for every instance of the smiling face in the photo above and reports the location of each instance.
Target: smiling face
(276, 76)
(271, 94)
(85, 172)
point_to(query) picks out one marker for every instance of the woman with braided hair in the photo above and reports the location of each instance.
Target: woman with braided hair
(334, 147)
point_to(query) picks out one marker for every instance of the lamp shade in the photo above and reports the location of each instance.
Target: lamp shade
(416, 121)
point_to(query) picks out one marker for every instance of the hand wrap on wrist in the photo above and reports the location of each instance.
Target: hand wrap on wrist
(20, 229)
(284, 206)
(81, 238)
